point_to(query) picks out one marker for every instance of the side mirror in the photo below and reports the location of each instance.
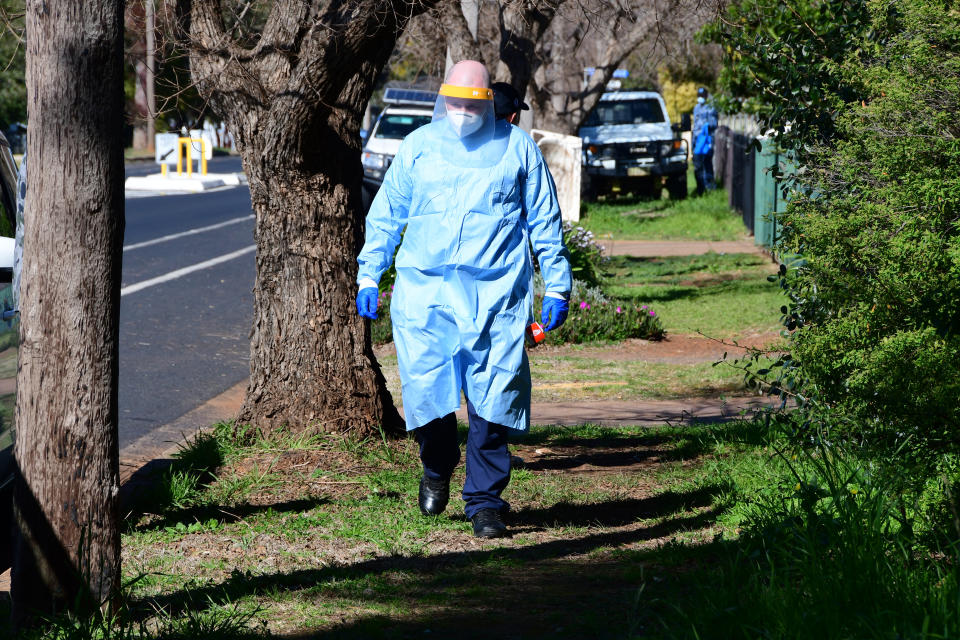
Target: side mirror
(685, 123)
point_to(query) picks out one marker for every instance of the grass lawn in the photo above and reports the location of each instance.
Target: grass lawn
(697, 218)
(322, 538)
(615, 533)
(723, 296)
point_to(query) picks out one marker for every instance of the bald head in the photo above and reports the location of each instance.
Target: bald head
(469, 73)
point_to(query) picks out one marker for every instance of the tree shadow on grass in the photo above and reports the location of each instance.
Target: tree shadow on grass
(586, 599)
(603, 459)
(611, 437)
(613, 513)
(654, 293)
(434, 574)
(224, 514)
(688, 440)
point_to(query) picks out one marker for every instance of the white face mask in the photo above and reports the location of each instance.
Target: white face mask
(464, 123)
(701, 100)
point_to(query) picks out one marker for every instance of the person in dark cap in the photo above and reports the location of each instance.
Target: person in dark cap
(704, 124)
(507, 104)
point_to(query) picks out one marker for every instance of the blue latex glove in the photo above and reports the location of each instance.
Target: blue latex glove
(554, 313)
(367, 302)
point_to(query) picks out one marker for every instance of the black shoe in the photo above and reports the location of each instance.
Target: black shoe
(487, 524)
(434, 495)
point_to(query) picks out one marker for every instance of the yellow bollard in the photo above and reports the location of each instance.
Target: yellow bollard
(187, 145)
(163, 170)
(179, 156)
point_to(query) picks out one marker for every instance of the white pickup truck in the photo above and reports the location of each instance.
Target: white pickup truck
(630, 145)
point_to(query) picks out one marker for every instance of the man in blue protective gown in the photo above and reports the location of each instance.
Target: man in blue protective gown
(469, 194)
(704, 125)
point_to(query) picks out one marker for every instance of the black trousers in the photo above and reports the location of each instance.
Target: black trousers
(488, 458)
(703, 171)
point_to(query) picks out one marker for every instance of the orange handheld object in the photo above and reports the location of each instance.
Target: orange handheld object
(535, 334)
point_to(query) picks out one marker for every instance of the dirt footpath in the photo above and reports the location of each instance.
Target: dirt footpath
(665, 248)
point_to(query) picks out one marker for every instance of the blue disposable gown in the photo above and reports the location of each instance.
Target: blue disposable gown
(463, 292)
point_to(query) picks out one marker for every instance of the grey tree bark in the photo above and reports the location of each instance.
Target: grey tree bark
(294, 101)
(65, 500)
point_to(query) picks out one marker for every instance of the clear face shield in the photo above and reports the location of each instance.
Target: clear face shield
(468, 125)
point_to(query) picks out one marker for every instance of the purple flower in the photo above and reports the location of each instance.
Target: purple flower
(643, 308)
(652, 313)
(584, 305)
(619, 310)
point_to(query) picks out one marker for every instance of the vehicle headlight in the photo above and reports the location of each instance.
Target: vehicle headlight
(595, 151)
(372, 160)
(671, 148)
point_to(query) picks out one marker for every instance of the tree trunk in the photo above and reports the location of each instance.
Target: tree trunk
(294, 103)
(462, 44)
(311, 357)
(523, 24)
(65, 499)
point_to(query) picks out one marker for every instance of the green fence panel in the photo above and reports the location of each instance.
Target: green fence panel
(768, 194)
(765, 197)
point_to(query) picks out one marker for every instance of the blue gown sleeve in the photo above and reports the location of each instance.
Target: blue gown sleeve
(387, 218)
(545, 227)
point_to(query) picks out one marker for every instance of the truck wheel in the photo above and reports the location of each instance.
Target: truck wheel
(677, 186)
(645, 188)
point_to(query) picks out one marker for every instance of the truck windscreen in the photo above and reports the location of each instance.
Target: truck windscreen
(626, 112)
(397, 126)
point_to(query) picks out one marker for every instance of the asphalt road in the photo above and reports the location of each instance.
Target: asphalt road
(186, 301)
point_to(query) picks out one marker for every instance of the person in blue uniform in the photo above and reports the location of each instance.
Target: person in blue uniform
(704, 126)
(469, 195)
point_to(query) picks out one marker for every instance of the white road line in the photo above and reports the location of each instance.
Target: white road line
(179, 273)
(189, 232)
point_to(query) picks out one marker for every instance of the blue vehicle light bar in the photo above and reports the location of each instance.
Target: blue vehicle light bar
(393, 95)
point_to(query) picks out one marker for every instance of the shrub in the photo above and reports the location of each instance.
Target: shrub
(381, 329)
(586, 254)
(875, 216)
(827, 552)
(608, 320)
(595, 317)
